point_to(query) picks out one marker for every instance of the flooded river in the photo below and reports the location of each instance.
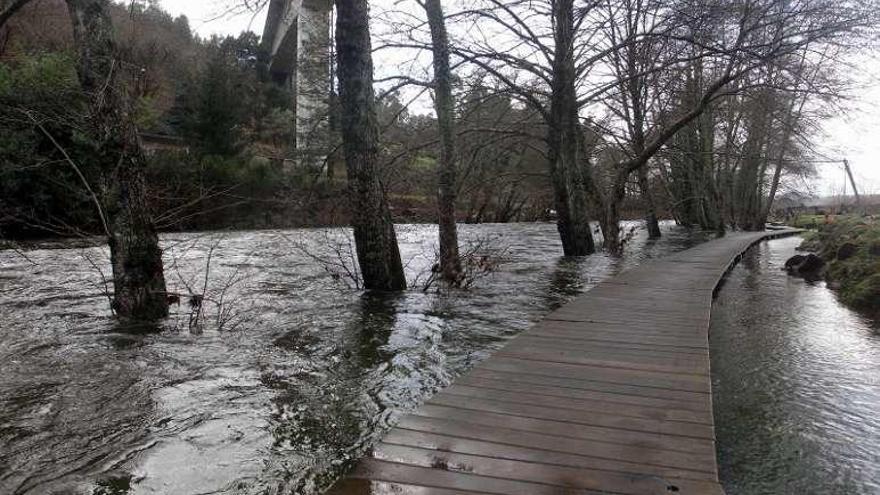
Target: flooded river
(297, 376)
(300, 375)
(796, 384)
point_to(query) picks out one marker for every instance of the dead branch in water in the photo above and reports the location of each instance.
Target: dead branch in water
(480, 258)
(214, 299)
(335, 254)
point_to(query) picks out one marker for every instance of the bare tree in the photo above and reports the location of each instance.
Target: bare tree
(138, 277)
(534, 51)
(734, 42)
(378, 253)
(450, 264)
(563, 135)
(110, 136)
(633, 25)
(729, 164)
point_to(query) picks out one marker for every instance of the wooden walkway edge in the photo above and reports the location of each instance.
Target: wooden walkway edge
(611, 393)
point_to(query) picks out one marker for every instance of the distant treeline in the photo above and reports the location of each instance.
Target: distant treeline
(219, 134)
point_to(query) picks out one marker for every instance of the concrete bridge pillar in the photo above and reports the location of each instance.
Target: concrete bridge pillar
(297, 39)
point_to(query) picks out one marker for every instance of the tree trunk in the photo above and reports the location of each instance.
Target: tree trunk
(611, 219)
(378, 253)
(650, 211)
(635, 86)
(749, 179)
(563, 141)
(333, 124)
(450, 264)
(712, 217)
(8, 8)
(791, 116)
(138, 277)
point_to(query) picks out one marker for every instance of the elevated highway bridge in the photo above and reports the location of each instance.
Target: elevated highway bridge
(297, 40)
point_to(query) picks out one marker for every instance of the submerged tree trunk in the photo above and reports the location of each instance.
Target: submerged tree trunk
(378, 253)
(651, 221)
(138, 276)
(638, 101)
(749, 179)
(563, 140)
(711, 210)
(611, 217)
(450, 264)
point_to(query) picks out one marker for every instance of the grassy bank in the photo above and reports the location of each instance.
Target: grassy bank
(850, 246)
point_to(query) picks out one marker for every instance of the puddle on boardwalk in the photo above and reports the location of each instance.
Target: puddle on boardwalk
(305, 382)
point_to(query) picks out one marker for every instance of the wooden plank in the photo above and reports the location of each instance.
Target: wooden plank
(609, 349)
(609, 394)
(615, 333)
(647, 378)
(694, 306)
(408, 474)
(628, 410)
(632, 343)
(658, 325)
(648, 337)
(586, 417)
(654, 441)
(479, 380)
(602, 455)
(563, 476)
(624, 316)
(688, 365)
(574, 386)
(649, 329)
(607, 340)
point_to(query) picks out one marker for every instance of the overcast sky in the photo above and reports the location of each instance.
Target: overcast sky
(855, 136)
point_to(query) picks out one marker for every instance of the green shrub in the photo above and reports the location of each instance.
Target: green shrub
(808, 221)
(39, 192)
(858, 276)
(864, 294)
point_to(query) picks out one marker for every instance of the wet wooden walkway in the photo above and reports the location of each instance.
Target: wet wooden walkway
(608, 394)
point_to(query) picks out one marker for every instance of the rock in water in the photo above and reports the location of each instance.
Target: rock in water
(804, 265)
(813, 264)
(794, 262)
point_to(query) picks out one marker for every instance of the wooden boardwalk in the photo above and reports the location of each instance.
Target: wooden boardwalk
(608, 394)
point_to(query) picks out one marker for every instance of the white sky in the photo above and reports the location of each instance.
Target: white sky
(854, 136)
(203, 15)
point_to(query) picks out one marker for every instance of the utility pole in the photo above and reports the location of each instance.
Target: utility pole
(853, 182)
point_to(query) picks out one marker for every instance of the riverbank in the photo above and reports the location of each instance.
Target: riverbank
(850, 247)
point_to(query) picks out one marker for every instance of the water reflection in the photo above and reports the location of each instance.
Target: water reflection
(795, 384)
(310, 378)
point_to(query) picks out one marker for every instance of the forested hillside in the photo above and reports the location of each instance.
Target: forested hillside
(218, 136)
